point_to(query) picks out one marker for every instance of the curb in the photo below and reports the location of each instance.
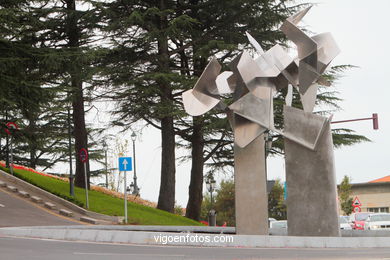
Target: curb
(191, 239)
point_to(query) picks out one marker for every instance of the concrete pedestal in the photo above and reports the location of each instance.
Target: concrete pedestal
(250, 189)
(311, 182)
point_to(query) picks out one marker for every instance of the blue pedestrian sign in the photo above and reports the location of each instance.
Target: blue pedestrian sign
(125, 164)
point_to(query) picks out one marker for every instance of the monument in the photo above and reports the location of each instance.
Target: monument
(253, 82)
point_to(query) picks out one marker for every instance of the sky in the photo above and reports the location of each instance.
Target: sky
(360, 28)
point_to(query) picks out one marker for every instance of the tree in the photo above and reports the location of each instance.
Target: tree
(27, 96)
(48, 51)
(161, 49)
(67, 29)
(345, 199)
(224, 203)
(158, 50)
(276, 205)
(220, 31)
(225, 206)
(141, 67)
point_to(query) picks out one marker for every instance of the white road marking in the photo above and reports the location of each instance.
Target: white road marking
(2, 206)
(114, 254)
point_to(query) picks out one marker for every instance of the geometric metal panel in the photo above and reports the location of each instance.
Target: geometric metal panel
(226, 82)
(309, 98)
(311, 187)
(204, 96)
(245, 131)
(196, 105)
(253, 108)
(313, 129)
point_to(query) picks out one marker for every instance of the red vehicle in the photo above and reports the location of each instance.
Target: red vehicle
(359, 220)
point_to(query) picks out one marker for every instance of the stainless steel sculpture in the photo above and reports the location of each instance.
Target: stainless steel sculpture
(308, 141)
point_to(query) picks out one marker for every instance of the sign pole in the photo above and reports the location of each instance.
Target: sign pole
(11, 165)
(11, 127)
(86, 185)
(125, 197)
(125, 164)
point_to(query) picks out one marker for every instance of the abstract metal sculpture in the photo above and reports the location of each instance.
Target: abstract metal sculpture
(308, 140)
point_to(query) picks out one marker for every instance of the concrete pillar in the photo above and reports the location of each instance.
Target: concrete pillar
(310, 176)
(250, 188)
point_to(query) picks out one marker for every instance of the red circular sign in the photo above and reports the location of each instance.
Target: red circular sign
(83, 155)
(11, 125)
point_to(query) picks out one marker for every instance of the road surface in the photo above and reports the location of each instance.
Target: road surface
(36, 249)
(15, 211)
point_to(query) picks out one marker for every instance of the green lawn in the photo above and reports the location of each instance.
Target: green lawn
(105, 204)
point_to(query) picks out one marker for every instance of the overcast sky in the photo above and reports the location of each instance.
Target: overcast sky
(361, 30)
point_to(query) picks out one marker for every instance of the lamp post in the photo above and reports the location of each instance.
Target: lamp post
(210, 185)
(11, 128)
(267, 147)
(135, 189)
(130, 188)
(105, 160)
(268, 143)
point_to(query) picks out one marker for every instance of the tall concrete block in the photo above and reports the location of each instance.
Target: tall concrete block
(311, 181)
(250, 188)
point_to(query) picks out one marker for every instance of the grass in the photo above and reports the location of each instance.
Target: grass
(103, 203)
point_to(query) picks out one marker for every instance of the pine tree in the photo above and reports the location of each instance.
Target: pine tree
(24, 92)
(141, 66)
(158, 49)
(220, 31)
(345, 199)
(276, 206)
(48, 56)
(161, 48)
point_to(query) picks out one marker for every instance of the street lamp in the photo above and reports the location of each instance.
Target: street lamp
(210, 185)
(105, 146)
(268, 143)
(267, 147)
(136, 189)
(130, 188)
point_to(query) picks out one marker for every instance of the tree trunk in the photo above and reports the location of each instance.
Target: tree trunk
(75, 68)
(79, 133)
(32, 143)
(195, 195)
(6, 142)
(166, 199)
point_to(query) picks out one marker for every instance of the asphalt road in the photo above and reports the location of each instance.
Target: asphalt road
(35, 249)
(15, 211)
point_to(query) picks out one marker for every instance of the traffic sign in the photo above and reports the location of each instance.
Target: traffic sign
(11, 125)
(83, 155)
(356, 202)
(125, 164)
(357, 209)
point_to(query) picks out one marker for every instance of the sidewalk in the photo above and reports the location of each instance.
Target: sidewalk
(109, 234)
